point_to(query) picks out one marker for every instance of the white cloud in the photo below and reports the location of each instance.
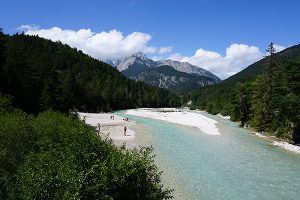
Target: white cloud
(156, 58)
(163, 50)
(114, 44)
(238, 57)
(103, 45)
(279, 47)
(176, 57)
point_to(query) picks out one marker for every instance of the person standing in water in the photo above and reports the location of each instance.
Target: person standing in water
(125, 129)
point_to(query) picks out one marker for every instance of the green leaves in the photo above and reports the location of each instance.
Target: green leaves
(58, 157)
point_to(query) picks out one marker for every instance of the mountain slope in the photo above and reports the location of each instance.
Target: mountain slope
(42, 74)
(167, 77)
(250, 73)
(188, 68)
(135, 59)
(260, 66)
(180, 77)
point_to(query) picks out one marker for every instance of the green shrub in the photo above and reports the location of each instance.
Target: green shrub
(59, 157)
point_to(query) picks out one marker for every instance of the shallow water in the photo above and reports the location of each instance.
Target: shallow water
(234, 165)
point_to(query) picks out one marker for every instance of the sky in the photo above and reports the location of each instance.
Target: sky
(222, 36)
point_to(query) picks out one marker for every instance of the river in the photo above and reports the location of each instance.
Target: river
(233, 165)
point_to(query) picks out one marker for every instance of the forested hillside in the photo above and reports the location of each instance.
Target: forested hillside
(42, 74)
(265, 95)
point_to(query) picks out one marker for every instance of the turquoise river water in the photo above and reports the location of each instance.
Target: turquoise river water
(234, 165)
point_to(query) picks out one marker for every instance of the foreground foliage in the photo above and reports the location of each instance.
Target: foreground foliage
(53, 156)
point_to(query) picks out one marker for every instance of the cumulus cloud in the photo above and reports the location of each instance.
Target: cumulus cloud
(164, 50)
(176, 57)
(156, 58)
(237, 57)
(279, 47)
(103, 45)
(114, 45)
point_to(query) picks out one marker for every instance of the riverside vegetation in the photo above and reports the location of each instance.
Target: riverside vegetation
(264, 96)
(47, 154)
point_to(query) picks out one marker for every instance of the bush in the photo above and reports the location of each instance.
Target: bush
(17, 140)
(59, 157)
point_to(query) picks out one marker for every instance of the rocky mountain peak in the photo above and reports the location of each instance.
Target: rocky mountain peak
(140, 55)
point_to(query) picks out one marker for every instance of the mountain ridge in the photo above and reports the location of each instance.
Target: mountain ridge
(181, 75)
(141, 58)
(167, 77)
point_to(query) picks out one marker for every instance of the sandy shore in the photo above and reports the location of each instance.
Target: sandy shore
(114, 129)
(259, 134)
(287, 146)
(182, 117)
(224, 117)
(276, 142)
(273, 140)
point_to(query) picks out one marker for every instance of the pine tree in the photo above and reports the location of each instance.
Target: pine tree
(270, 84)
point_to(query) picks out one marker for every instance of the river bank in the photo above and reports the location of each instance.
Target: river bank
(275, 141)
(114, 128)
(111, 126)
(179, 116)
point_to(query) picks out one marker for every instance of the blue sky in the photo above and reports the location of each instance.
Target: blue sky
(177, 28)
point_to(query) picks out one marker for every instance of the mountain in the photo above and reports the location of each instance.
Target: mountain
(110, 62)
(188, 68)
(165, 76)
(138, 59)
(41, 74)
(265, 96)
(176, 76)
